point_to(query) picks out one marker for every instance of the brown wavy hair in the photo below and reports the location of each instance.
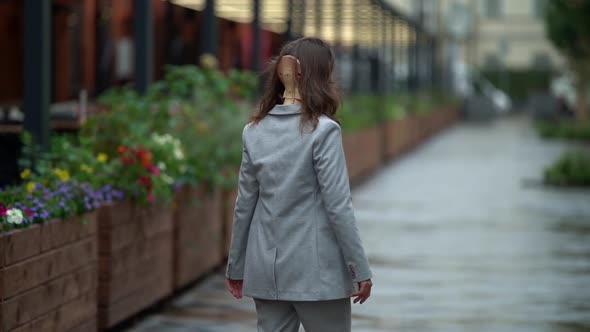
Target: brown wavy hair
(319, 94)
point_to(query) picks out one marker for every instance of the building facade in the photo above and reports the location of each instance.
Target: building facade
(512, 34)
(499, 33)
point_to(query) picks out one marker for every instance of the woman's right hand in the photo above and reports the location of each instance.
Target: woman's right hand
(364, 291)
(234, 287)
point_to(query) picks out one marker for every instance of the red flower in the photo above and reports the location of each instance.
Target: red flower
(128, 160)
(3, 210)
(154, 170)
(122, 149)
(28, 211)
(146, 163)
(146, 181)
(151, 198)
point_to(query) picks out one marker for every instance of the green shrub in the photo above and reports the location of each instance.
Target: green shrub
(363, 111)
(199, 111)
(572, 169)
(518, 83)
(425, 102)
(393, 108)
(360, 111)
(566, 130)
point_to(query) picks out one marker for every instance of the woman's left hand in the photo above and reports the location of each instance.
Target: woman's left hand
(364, 291)
(234, 287)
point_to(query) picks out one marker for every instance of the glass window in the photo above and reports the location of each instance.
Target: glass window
(66, 45)
(492, 8)
(71, 34)
(538, 8)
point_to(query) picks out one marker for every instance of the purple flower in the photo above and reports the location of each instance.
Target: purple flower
(87, 204)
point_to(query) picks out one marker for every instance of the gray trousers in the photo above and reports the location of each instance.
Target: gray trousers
(316, 316)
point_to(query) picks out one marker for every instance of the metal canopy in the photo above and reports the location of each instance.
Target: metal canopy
(348, 21)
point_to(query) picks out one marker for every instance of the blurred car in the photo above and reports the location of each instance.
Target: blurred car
(484, 101)
(499, 98)
(563, 88)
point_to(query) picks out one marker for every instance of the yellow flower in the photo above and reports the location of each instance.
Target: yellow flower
(208, 61)
(102, 157)
(202, 127)
(31, 186)
(62, 174)
(86, 168)
(25, 174)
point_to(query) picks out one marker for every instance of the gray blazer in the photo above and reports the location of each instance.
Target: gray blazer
(294, 233)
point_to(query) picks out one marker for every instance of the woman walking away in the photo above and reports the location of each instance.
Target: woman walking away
(295, 245)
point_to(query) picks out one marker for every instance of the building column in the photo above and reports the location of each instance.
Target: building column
(411, 59)
(318, 18)
(418, 62)
(375, 17)
(358, 21)
(37, 70)
(393, 50)
(290, 8)
(299, 12)
(209, 29)
(434, 64)
(143, 33)
(256, 36)
(383, 50)
(338, 22)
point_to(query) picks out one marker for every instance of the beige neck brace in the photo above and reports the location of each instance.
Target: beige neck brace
(289, 70)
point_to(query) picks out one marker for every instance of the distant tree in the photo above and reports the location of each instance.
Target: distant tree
(567, 24)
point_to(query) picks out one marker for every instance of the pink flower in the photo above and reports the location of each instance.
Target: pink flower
(3, 210)
(151, 198)
(154, 170)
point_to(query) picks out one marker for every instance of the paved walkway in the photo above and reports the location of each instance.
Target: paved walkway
(461, 236)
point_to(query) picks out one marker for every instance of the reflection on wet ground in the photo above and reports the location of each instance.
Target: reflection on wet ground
(461, 237)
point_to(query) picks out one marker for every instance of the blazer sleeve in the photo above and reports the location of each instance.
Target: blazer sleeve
(332, 175)
(243, 212)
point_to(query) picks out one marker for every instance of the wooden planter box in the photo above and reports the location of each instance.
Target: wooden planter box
(48, 277)
(437, 120)
(198, 234)
(135, 259)
(229, 202)
(443, 118)
(425, 126)
(452, 115)
(409, 132)
(363, 150)
(397, 133)
(414, 127)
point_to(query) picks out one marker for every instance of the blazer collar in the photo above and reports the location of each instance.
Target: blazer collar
(286, 109)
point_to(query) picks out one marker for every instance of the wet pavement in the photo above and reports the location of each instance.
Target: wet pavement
(461, 235)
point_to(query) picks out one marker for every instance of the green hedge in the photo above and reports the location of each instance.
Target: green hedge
(567, 130)
(518, 83)
(359, 112)
(364, 111)
(572, 169)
